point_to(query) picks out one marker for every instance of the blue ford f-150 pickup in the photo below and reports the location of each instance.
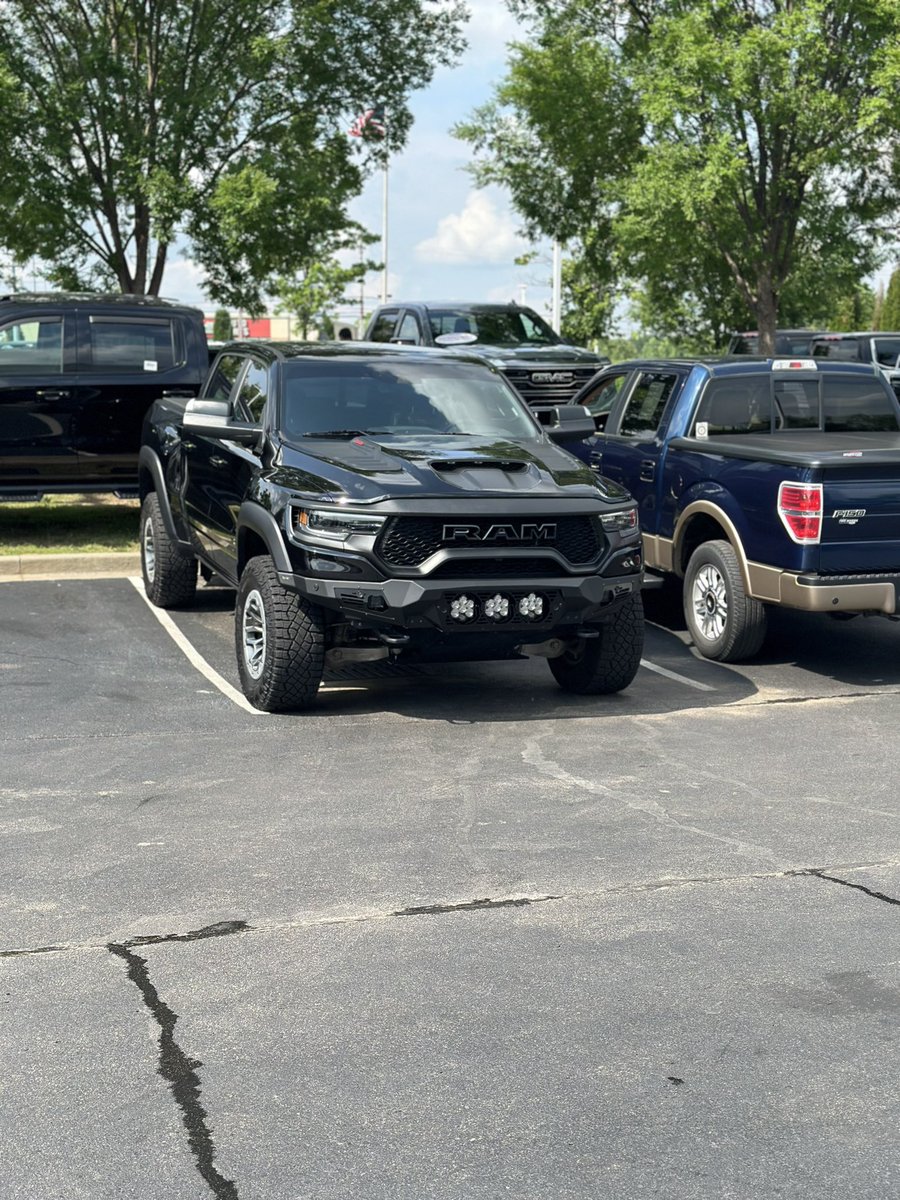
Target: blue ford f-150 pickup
(759, 482)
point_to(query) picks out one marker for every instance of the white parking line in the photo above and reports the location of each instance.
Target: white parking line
(195, 659)
(701, 687)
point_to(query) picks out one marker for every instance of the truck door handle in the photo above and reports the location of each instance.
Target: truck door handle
(53, 394)
(648, 470)
(218, 461)
(596, 459)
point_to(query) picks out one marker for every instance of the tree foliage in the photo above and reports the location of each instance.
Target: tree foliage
(743, 154)
(126, 123)
(890, 313)
(222, 330)
(310, 292)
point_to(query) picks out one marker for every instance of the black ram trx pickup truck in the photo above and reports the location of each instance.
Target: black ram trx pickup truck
(372, 502)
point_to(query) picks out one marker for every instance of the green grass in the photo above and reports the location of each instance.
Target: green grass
(81, 524)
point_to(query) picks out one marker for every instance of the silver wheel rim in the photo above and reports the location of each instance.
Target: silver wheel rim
(149, 550)
(253, 634)
(709, 599)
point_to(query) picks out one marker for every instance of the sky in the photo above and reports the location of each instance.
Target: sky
(447, 240)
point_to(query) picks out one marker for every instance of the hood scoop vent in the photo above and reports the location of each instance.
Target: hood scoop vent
(474, 464)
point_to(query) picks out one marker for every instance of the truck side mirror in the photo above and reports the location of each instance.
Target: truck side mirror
(568, 423)
(212, 418)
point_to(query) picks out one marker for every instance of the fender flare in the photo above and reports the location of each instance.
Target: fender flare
(260, 520)
(707, 508)
(149, 460)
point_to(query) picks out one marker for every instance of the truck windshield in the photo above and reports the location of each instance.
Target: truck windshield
(347, 397)
(499, 327)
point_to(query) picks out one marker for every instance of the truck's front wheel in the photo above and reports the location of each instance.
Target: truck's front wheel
(280, 641)
(608, 662)
(725, 623)
(170, 577)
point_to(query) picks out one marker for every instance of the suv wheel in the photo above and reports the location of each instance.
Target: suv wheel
(725, 623)
(170, 577)
(608, 663)
(280, 641)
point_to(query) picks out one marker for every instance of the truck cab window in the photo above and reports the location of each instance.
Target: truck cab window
(251, 398)
(647, 403)
(31, 345)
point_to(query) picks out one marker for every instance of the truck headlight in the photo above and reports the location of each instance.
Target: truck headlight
(625, 521)
(334, 524)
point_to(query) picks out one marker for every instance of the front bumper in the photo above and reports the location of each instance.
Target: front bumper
(426, 605)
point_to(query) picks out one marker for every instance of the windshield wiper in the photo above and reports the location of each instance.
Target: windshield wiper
(341, 433)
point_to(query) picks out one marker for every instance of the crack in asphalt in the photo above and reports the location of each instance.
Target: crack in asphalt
(820, 873)
(178, 1069)
(423, 910)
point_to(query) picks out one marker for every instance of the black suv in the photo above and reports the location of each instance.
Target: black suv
(77, 374)
(368, 502)
(537, 362)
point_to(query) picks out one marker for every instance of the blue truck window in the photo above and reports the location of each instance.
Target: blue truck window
(647, 403)
(736, 407)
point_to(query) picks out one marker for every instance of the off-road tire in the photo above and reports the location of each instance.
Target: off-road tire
(725, 623)
(609, 662)
(280, 670)
(170, 576)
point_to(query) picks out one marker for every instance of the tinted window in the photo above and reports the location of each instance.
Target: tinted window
(736, 406)
(797, 403)
(409, 330)
(844, 349)
(221, 381)
(133, 345)
(604, 396)
(254, 388)
(403, 399)
(33, 345)
(646, 404)
(887, 351)
(383, 329)
(857, 405)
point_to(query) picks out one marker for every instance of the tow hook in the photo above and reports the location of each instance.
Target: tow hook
(552, 648)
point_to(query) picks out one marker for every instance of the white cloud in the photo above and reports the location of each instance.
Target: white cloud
(490, 27)
(480, 233)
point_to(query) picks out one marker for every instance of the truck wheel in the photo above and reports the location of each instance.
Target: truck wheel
(280, 641)
(608, 663)
(725, 623)
(170, 577)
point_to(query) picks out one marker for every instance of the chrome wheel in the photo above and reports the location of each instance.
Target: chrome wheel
(149, 547)
(253, 634)
(709, 598)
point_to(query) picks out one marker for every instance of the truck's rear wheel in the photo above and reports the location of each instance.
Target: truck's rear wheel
(170, 577)
(725, 623)
(280, 641)
(609, 662)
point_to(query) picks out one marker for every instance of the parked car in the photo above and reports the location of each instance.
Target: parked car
(77, 374)
(540, 365)
(368, 502)
(762, 482)
(882, 349)
(787, 341)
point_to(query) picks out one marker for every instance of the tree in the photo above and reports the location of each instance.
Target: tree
(222, 330)
(735, 142)
(126, 123)
(320, 283)
(890, 313)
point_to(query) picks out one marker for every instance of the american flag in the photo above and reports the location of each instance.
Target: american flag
(372, 120)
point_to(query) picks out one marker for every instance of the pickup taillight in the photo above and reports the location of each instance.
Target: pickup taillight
(800, 509)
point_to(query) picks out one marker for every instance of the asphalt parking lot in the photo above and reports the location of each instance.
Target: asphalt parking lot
(453, 934)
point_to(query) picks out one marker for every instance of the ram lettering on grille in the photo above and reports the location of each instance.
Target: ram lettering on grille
(500, 533)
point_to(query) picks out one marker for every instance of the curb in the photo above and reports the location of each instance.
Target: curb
(25, 567)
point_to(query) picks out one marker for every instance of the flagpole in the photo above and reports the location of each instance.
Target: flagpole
(384, 235)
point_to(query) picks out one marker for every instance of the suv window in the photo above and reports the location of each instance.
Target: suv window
(133, 343)
(35, 344)
(220, 383)
(383, 329)
(887, 351)
(647, 402)
(251, 399)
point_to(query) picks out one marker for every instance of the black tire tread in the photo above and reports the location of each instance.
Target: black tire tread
(175, 577)
(295, 650)
(746, 627)
(609, 662)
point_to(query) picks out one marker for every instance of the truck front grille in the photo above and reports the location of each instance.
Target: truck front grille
(549, 385)
(409, 541)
